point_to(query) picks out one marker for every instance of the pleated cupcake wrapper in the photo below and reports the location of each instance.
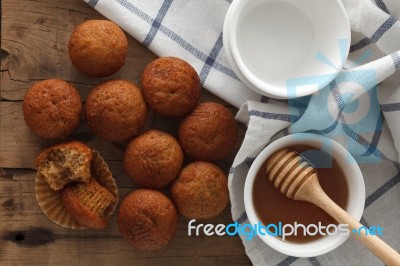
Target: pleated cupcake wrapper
(51, 203)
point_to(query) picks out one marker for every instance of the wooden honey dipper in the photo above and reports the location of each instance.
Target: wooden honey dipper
(297, 179)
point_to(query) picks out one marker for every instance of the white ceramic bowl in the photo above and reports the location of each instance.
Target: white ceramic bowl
(355, 182)
(286, 48)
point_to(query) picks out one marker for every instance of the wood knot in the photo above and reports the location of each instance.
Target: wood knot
(4, 54)
(8, 205)
(30, 238)
(19, 237)
(41, 20)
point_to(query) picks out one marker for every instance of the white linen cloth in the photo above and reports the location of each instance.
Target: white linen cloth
(354, 110)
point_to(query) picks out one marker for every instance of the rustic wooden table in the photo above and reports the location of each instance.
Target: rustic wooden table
(34, 39)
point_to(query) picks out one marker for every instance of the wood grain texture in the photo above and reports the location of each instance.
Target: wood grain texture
(34, 46)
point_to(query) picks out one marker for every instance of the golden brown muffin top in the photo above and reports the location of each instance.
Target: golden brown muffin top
(115, 110)
(98, 48)
(209, 132)
(200, 191)
(153, 159)
(171, 86)
(147, 219)
(52, 108)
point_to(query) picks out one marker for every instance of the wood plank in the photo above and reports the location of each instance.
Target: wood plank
(27, 234)
(34, 46)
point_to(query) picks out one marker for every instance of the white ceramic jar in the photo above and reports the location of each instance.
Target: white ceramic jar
(356, 193)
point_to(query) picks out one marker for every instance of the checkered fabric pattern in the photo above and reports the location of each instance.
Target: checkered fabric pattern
(360, 108)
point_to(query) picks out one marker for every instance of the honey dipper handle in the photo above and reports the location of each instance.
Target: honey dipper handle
(314, 193)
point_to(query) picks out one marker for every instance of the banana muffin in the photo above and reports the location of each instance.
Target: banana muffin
(116, 110)
(98, 48)
(208, 133)
(153, 159)
(200, 191)
(147, 219)
(171, 86)
(52, 108)
(64, 163)
(87, 203)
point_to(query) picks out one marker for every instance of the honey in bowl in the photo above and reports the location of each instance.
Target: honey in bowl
(273, 207)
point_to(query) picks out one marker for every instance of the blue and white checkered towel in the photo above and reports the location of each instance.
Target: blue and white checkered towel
(360, 109)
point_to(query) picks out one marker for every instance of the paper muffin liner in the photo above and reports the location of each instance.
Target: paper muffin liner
(51, 203)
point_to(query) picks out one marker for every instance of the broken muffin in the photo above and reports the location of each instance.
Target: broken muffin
(87, 203)
(82, 203)
(64, 163)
